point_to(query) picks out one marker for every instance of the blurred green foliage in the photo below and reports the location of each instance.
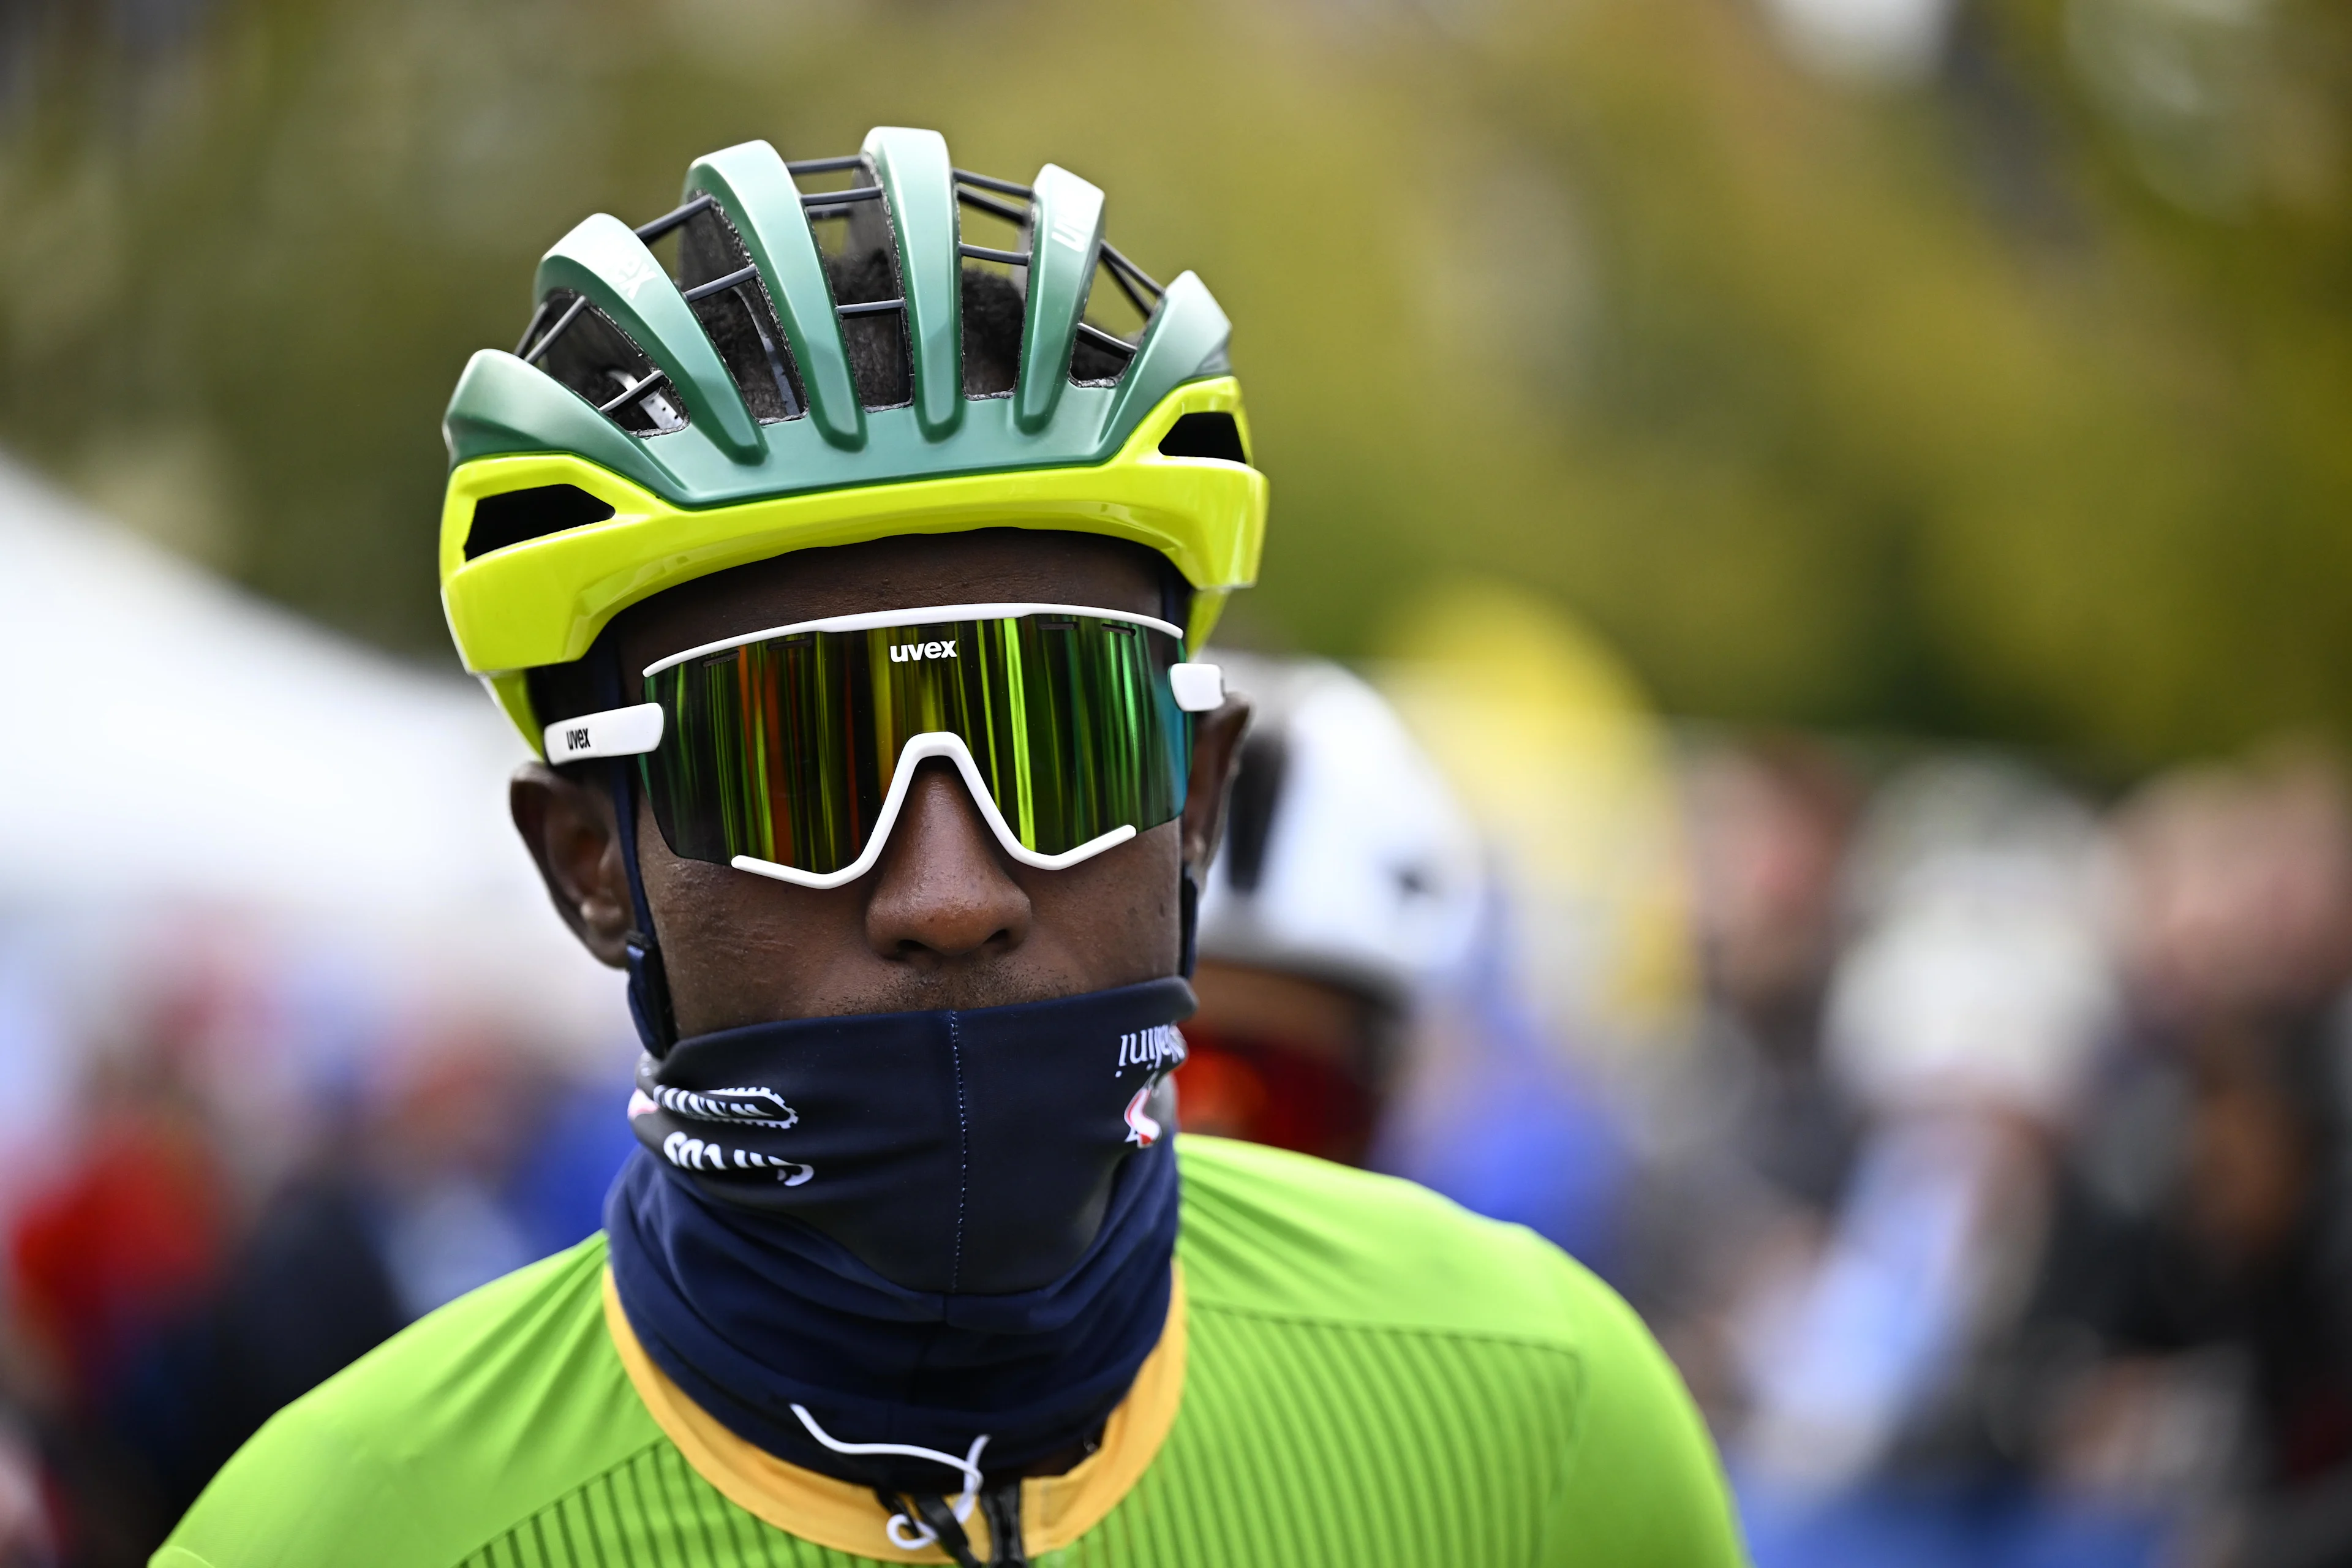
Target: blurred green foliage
(2012, 399)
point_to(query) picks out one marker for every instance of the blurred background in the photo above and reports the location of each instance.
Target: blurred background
(1883, 464)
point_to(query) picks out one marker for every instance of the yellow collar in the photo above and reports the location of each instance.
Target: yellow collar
(1054, 1509)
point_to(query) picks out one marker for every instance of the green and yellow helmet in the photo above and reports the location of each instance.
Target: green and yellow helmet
(819, 372)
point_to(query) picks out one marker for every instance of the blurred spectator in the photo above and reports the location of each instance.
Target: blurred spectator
(131, 1236)
(252, 1193)
(464, 1158)
(110, 1261)
(2200, 1283)
(1961, 1024)
(441, 1148)
(2240, 906)
(1749, 1140)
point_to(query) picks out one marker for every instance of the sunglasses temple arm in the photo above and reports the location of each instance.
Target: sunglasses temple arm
(614, 733)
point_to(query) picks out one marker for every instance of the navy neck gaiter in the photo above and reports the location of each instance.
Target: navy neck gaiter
(915, 1229)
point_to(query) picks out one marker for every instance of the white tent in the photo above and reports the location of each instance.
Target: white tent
(173, 742)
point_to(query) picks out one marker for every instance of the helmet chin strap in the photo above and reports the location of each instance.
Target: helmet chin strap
(1188, 910)
(649, 982)
(1176, 609)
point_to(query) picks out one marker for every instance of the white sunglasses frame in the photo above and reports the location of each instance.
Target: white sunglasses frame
(638, 728)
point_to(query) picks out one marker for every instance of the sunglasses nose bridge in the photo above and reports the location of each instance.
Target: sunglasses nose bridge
(935, 785)
(951, 747)
(926, 757)
(941, 889)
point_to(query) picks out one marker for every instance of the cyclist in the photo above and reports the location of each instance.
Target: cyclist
(846, 576)
(1349, 886)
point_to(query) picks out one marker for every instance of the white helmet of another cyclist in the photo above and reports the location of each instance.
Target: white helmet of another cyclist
(1346, 858)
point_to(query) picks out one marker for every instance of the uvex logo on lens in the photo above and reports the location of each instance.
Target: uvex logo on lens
(903, 652)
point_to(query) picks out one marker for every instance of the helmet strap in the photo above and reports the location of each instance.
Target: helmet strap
(648, 980)
(1188, 911)
(1176, 609)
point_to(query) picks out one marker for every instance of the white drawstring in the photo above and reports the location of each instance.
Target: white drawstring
(969, 1466)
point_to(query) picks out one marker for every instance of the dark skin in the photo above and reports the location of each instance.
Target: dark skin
(946, 918)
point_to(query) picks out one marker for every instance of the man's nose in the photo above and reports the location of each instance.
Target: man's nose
(942, 891)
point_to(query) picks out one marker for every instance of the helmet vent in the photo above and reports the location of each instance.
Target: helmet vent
(994, 240)
(519, 515)
(731, 299)
(1217, 435)
(874, 327)
(1118, 307)
(587, 350)
(1119, 304)
(849, 219)
(861, 260)
(992, 312)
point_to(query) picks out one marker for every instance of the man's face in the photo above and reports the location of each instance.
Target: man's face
(946, 918)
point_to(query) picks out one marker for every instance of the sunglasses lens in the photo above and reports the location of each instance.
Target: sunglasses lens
(782, 749)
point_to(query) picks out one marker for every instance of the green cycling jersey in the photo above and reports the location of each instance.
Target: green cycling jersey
(1355, 1371)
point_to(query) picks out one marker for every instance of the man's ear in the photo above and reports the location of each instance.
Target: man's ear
(1216, 751)
(568, 827)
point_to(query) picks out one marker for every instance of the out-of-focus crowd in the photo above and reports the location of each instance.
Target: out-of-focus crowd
(1992, 1187)
(2000, 1213)
(254, 1167)
(1987, 1169)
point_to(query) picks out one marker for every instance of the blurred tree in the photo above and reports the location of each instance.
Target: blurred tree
(2001, 393)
